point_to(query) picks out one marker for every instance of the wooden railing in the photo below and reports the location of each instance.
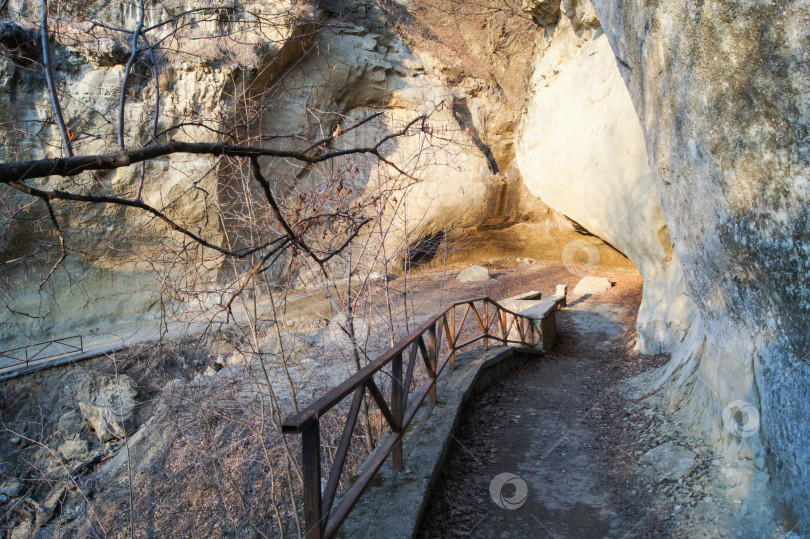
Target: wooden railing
(492, 321)
(34, 353)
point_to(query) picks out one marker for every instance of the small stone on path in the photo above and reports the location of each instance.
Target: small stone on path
(670, 460)
(474, 274)
(70, 424)
(11, 488)
(592, 285)
(74, 450)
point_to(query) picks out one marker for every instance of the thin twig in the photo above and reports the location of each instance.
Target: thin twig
(337, 134)
(89, 521)
(153, 61)
(271, 199)
(61, 243)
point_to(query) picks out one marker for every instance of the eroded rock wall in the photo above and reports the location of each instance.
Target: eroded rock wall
(312, 68)
(722, 89)
(110, 276)
(582, 151)
(358, 72)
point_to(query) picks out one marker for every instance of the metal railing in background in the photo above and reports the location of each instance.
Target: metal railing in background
(493, 322)
(34, 353)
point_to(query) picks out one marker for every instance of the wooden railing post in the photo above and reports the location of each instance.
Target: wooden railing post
(432, 358)
(505, 318)
(521, 324)
(451, 337)
(486, 323)
(397, 406)
(311, 456)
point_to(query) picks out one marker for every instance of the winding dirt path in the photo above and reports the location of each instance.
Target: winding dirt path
(559, 426)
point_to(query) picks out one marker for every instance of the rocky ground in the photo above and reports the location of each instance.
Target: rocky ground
(595, 462)
(181, 437)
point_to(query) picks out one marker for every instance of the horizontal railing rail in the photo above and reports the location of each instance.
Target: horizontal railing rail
(489, 320)
(35, 353)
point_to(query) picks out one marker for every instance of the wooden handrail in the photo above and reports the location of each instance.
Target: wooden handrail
(37, 356)
(321, 518)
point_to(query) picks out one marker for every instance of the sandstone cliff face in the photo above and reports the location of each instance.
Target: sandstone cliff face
(582, 151)
(312, 69)
(352, 72)
(721, 89)
(108, 278)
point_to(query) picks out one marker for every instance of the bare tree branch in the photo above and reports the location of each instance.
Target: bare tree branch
(271, 199)
(296, 238)
(156, 114)
(21, 313)
(47, 63)
(336, 134)
(63, 195)
(17, 171)
(122, 99)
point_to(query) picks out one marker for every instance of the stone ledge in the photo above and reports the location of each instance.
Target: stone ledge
(393, 505)
(521, 301)
(542, 312)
